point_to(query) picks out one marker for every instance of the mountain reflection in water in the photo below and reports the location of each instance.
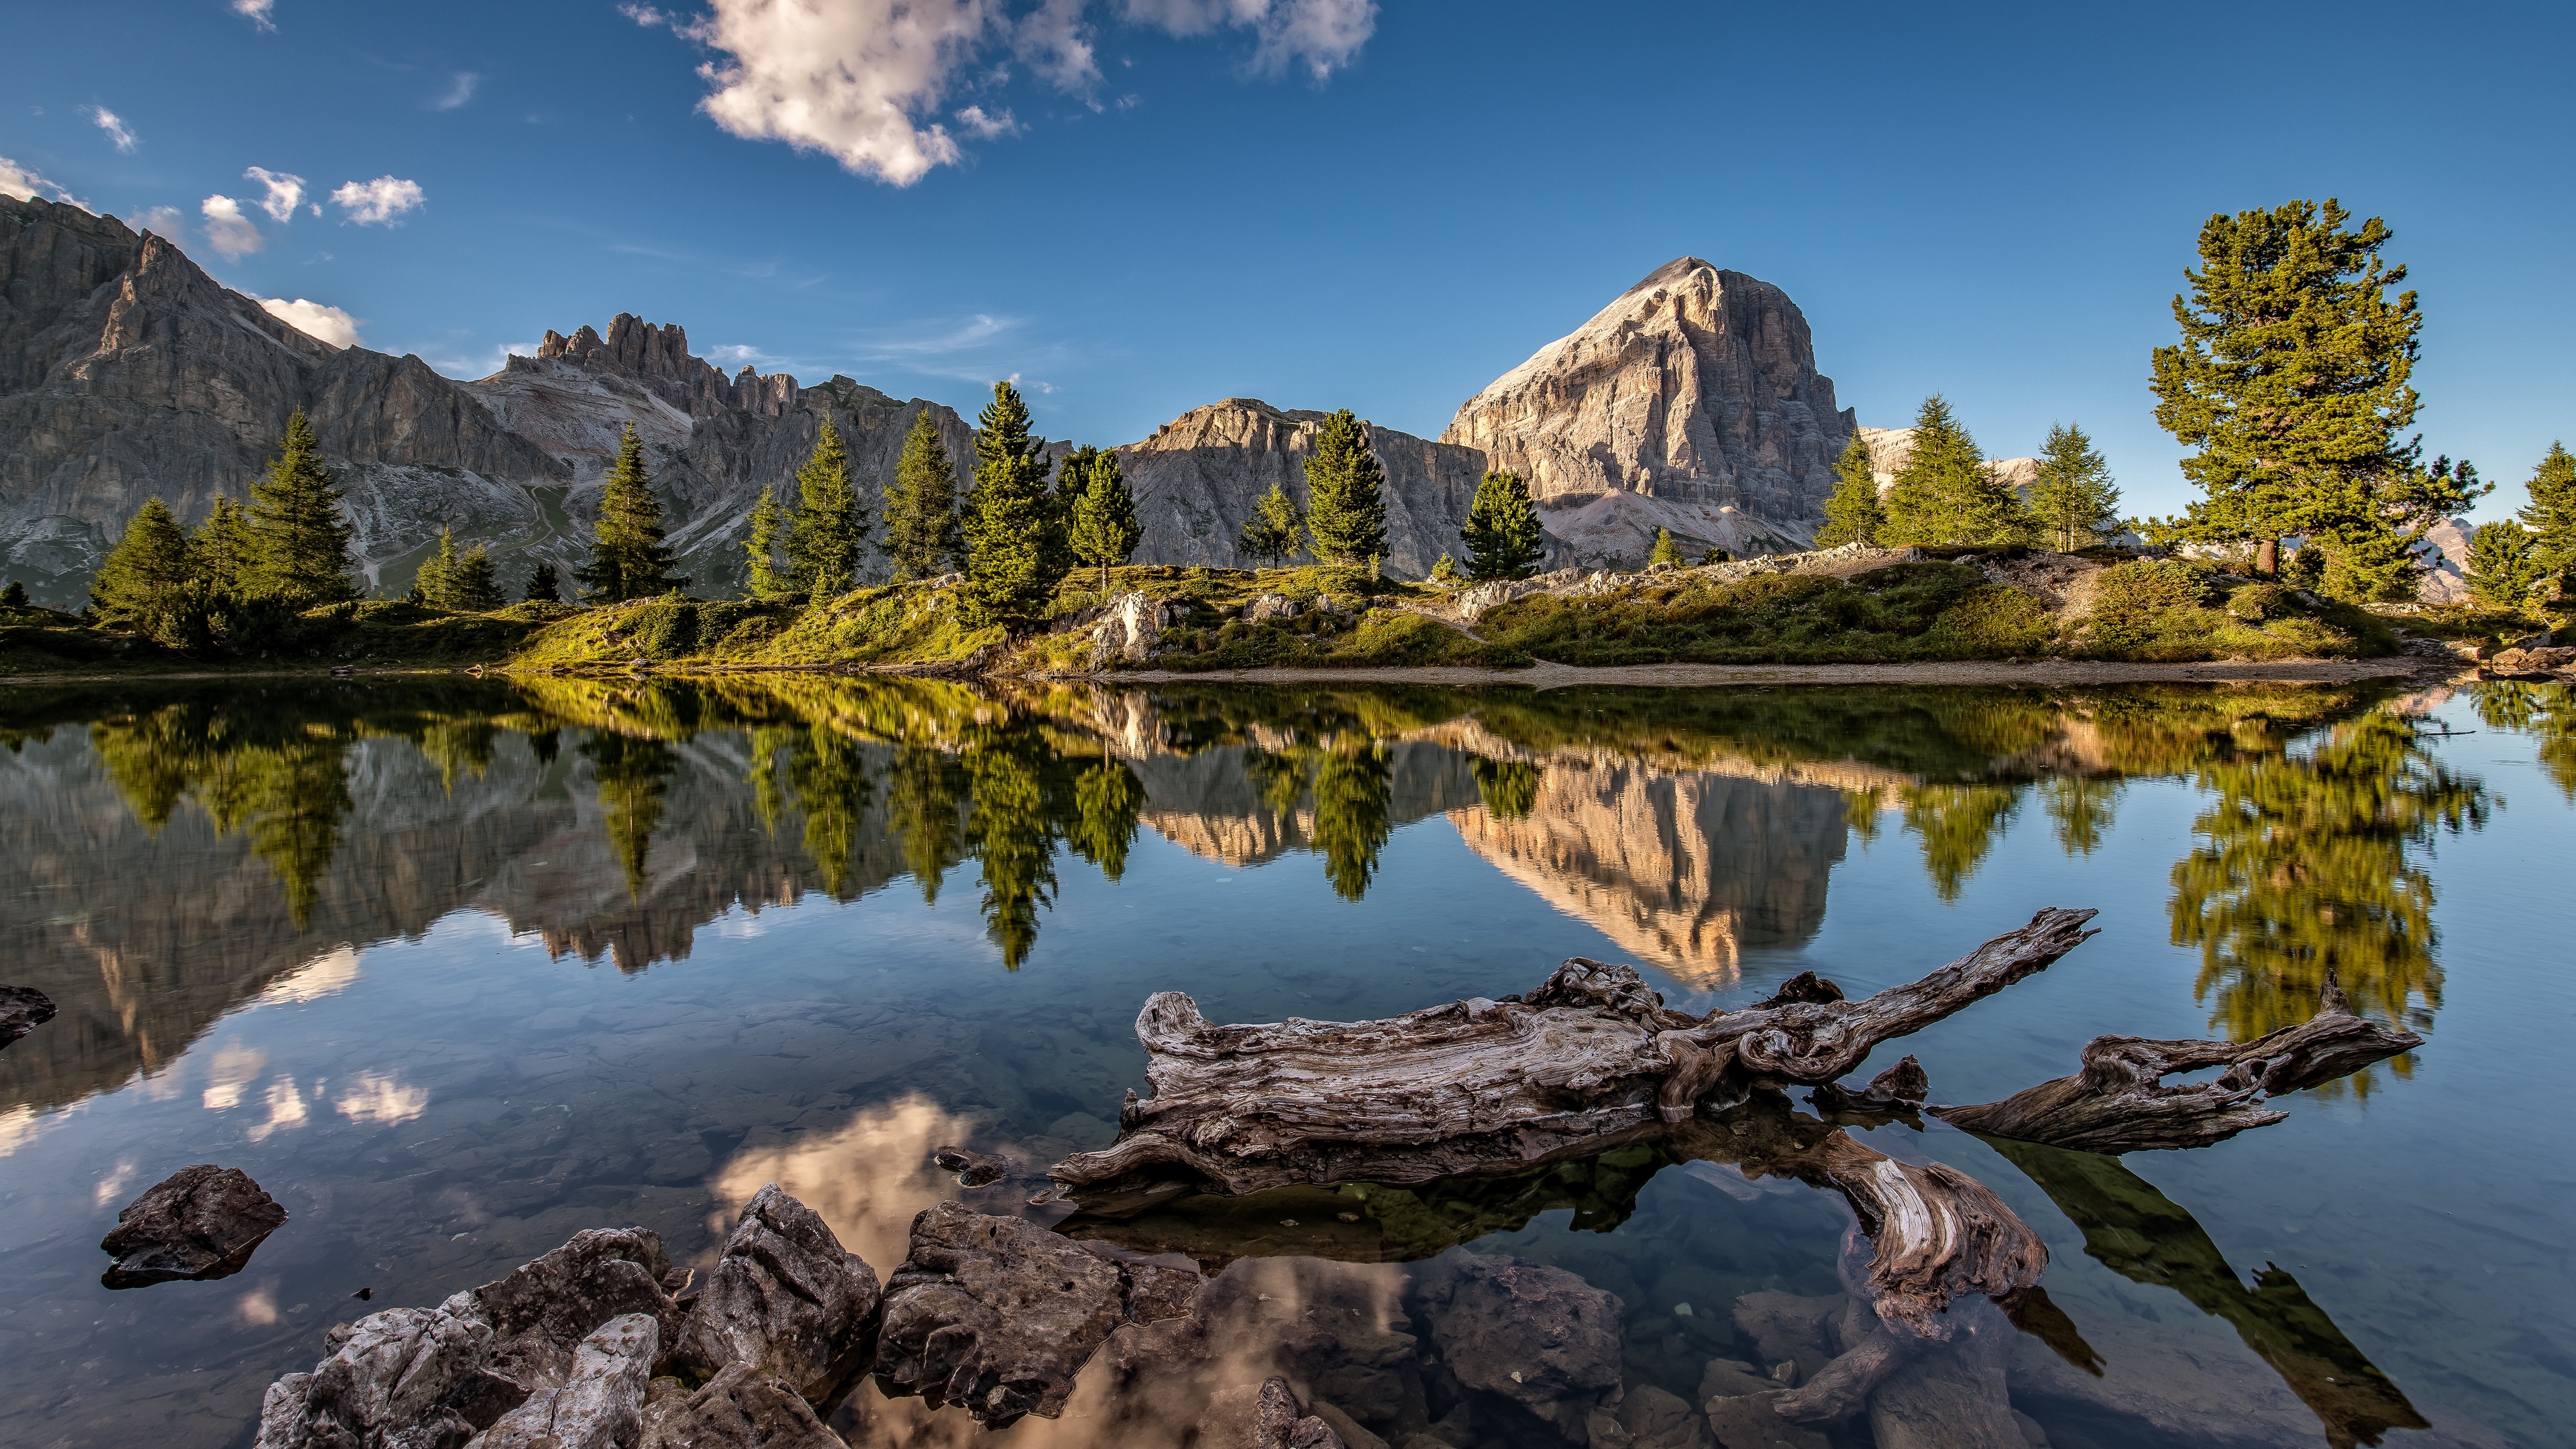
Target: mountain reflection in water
(1686, 826)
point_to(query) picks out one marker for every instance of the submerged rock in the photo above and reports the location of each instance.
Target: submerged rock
(22, 1010)
(1280, 1422)
(973, 1169)
(1536, 1336)
(600, 1405)
(997, 1315)
(740, 1408)
(785, 1298)
(199, 1222)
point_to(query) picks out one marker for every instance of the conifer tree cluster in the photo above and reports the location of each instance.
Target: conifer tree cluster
(829, 535)
(2551, 517)
(629, 558)
(1852, 513)
(543, 586)
(2291, 386)
(924, 537)
(2502, 565)
(1100, 526)
(1945, 493)
(1345, 493)
(298, 536)
(2074, 500)
(1503, 537)
(1013, 547)
(462, 582)
(1276, 530)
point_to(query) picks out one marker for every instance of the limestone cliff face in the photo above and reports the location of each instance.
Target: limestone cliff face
(1198, 477)
(1698, 389)
(1685, 870)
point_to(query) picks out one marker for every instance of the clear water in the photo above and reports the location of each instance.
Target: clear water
(455, 970)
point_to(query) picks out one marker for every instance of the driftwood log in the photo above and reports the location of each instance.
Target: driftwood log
(2119, 1103)
(1590, 1059)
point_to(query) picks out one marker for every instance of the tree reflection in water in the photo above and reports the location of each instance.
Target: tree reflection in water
(632, 773)
(2546, 712)
(2306, 866)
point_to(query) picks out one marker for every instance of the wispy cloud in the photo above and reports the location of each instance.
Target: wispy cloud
(261, 13)
(229, 232)
(867, 81)
(381, 202)
(458, 92)
(313, 319)
(285, 193)
(118, 133)
(23, 184)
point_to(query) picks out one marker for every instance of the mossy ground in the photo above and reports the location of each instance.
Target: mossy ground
(372, 634)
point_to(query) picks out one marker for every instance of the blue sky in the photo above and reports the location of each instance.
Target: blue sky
(1139, 206)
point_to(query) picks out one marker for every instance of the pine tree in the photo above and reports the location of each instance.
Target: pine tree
(2552, 516)
(300, 539)
(628, 559)
(436, 579)
(2502, 565)
(1945, 493)
(2074, 498)
(224, 547)
(1006, 517)
(145, 571)
(1273, 530)
(761, 551)
(2291, 383)
(1502, 535)
(1345, 493)
(923, 534)
(14, 596)
(473, 588)
(1853, 514)
(543, 586)
(1101, 526)
(1665, 551)
(830, 532)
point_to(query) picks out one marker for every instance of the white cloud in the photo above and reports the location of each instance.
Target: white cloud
(847, 81)
(160, 220)
(22, 184)
(258, 12)
(1322, 34)
(117, 131)
(229, 232)
(459, 91)
(380, 1098)
(284, 192)
(1057, 45)
(328, 324)
(983, 127)
(379, 202)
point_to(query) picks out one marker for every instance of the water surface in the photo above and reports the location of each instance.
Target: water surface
(456, 969)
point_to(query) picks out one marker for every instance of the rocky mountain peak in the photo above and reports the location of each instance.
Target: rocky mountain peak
(657, 356)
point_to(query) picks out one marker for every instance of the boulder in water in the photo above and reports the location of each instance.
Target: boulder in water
(199, 1222)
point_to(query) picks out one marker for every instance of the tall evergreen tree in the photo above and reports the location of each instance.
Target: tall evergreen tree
(1667, 549)
(2291, 383)
(473, 588)
(436, 578)
(543, 586)
(1853, 514)
(830, 533)
(2502, 567)
(1008, 579)
(2552, 516)
(1502, 535)
(145, 571)
(2074, 498)
(300, 539)
(1275, 529)
(760, 551)
(923, 534)
(628, 558)
(224, 547)
(1345, 493)
(1945, 493)
(14, 596)
(1100, 527)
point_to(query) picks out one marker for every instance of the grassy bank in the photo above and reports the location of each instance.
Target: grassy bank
(375, 634)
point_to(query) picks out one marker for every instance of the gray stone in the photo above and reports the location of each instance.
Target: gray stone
(785, 1298)
(1537, 1336)
(199, 1222)
(1750, 1423)
(740, 1408)
(600, 1405)
(391, 1382)
(1281, 1423)
(542, 1312)
(1265, 607)
(1129, 629)
(22, 1010)
(1655, 1419)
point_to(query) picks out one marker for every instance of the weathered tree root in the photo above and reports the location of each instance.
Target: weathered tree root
(2118, 1103)
(1590, 1059)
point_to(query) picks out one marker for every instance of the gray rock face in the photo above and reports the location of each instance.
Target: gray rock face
(1697, 388)
(740, 1408)
(599, 1405)
(1197, 478)
(199, 1222)
(785, 1298)
(1536, 1336)
(996, 1315)
(1128, 630)
(395, 1380)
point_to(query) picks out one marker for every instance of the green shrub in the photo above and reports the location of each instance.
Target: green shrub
(1990, 622)
(666, 628)
(2154, 609)
(2255, 603)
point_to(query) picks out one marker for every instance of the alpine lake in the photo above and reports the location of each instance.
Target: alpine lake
(455, 968)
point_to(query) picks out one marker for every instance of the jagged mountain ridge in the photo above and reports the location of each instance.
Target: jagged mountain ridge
(127, 372)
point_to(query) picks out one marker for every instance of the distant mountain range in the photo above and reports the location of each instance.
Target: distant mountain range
(1691, 402)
